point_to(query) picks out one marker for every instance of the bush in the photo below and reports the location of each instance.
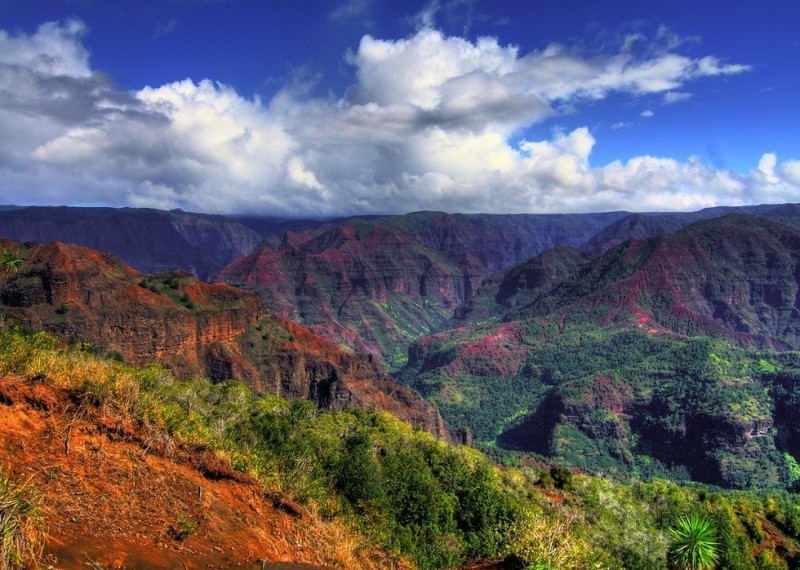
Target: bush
(548, 542)
(10, 261)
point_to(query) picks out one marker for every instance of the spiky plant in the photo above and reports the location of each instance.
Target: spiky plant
(10, 261)
(694, 545)
(21, 524)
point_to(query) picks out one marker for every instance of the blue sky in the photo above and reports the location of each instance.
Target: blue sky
(374, 106)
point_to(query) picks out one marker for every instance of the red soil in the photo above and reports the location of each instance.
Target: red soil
(116, 497)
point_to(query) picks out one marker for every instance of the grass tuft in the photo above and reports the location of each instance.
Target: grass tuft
(22, 524)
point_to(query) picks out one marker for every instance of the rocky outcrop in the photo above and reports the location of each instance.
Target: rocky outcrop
(80, 293)
(197, 328)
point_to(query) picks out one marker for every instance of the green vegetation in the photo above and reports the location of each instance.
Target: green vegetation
(183, 528)
(408, 493)
(625, 403)
(170, 285)
(10, 261)
(694, 546)
(22, 524)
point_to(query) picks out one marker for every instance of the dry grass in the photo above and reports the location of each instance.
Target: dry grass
(102, 382)
(22, 524)
(345, 548)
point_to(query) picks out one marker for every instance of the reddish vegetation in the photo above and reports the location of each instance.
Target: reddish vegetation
(500, 353)
(117, 499)
(733, 277)
(360, 284)
(263, 267)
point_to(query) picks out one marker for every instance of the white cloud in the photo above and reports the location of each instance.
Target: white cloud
(672, 97)
(426, 125)
(647, 114)
(426, 18)
(766, 166)
(791, 171)
(351, 9)
(54, 50)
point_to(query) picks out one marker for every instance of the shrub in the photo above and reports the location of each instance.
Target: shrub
(183, 528)
(548, 542)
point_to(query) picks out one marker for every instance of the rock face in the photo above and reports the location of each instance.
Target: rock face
(195, 328)
(522, 284)
(77, 292)
(361, 284)
(377, 285)
(735, 277)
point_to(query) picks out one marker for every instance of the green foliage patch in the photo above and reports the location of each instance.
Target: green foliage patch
(625, 403)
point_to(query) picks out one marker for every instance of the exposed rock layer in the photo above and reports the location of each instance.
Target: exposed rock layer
(196, 329)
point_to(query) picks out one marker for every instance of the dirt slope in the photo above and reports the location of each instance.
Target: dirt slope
(118, 497)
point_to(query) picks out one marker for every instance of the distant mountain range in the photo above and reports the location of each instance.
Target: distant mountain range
(372, 283)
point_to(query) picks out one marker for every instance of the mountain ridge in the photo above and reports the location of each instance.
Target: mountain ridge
(197, 329)
(653, 354)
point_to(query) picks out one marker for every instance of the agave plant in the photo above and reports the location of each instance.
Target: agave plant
(694, 545)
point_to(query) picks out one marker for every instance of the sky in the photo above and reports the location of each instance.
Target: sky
(342, 107)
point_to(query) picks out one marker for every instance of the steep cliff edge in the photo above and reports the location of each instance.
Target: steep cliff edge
(82, 294)
(195, 328)
(361, 284)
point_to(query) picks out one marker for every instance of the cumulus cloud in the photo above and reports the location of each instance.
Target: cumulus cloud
(54, 50)
(647, 114)
(427, 124)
